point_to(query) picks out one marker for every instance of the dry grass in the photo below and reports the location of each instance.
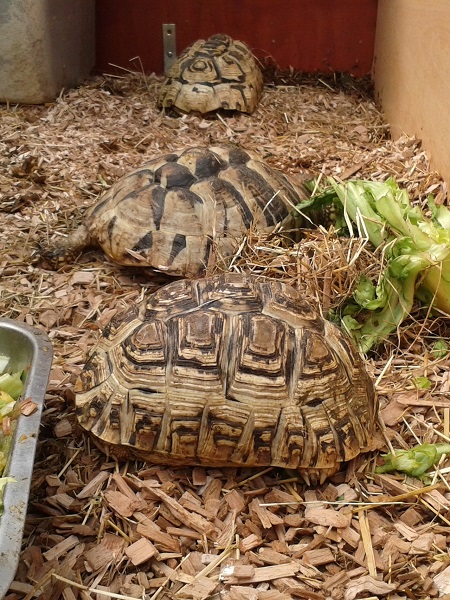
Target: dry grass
(96, 528)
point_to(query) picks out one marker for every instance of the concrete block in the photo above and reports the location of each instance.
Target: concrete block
(45, 46)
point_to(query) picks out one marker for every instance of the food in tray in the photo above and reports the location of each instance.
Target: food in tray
(11, 387)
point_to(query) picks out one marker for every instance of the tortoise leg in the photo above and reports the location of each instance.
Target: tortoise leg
(314, 477)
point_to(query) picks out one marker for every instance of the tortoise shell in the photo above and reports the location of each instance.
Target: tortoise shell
(179, 211)
(228, 371)
(219, 73)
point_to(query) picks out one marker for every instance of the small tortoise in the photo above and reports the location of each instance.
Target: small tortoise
(228, 371)
(178, 211)
(219, 73)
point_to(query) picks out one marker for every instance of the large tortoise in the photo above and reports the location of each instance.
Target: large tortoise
(219, 73)
(228, 371)
(179, 211)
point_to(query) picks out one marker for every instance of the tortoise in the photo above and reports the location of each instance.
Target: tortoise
(219, 73)
(228, 370)
(180, 210)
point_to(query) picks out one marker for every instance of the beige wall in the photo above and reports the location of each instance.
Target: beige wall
(412, 73)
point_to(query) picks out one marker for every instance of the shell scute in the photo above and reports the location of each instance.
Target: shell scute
(173, 175)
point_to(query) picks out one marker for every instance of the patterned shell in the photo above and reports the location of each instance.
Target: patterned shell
(228, 371)
(219, 73)
(178, 211)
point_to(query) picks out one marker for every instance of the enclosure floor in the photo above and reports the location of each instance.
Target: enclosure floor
(134, 530)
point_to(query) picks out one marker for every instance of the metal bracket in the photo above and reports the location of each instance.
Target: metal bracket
(169, 44)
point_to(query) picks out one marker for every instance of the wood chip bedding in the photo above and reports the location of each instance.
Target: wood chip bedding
(100, 529)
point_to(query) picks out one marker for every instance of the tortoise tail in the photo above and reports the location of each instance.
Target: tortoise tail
(66, 250)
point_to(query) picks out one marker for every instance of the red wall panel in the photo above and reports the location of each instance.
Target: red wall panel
(309, 35)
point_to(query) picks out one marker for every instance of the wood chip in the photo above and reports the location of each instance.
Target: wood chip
(27, 407)
(262, 573)
(442, 581)
(368, 584)
(241, 592)
(264, 515)
(314, 543)
(327, 517)
(200, 589)
(235, 501)
(195, 521)
(61, 548)
(141, 551)
(21, 588)
(338, 580)
(68, 594)
(270, 556)
(98, 557)
(320, 556)
(63, 500)
(350, 536)
(183, 532)
(151, 531)
(82, 278)
(422, 544)
(122, 504)
(299, 591)
(93, 486)
(199, 476)
(63, 428)
(411, 517)
(234, 573)
(249, 542)
(367, 543)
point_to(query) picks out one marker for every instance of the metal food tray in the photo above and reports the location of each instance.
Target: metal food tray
(31, 350)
